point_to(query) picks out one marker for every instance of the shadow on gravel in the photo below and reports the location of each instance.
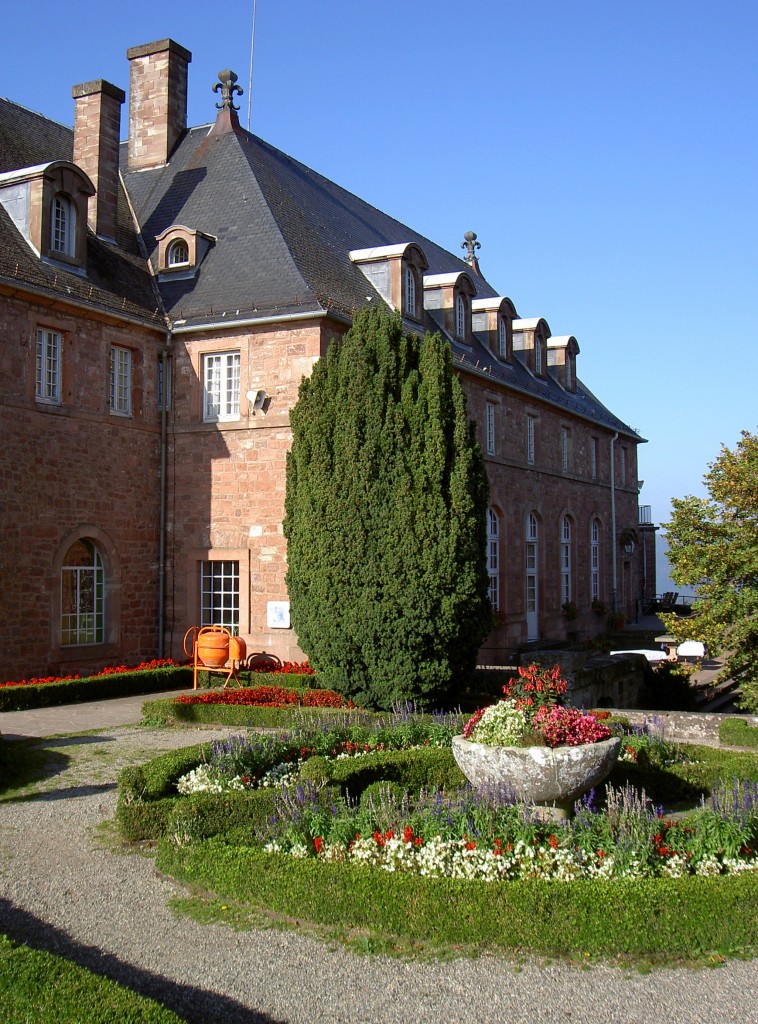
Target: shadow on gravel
(75, 791)
(194, 1005)
(76, 741)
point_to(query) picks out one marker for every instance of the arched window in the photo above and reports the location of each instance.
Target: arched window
(493, 557)
(595, 582)
(460, 316)
(409, 304)
(178, 253)
(538, 357)
(565, 560)
(62, 225)
(82, 595)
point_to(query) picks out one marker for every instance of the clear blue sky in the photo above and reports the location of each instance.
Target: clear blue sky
(605, 153)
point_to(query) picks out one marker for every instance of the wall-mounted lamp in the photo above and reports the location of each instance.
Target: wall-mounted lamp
(259, 401)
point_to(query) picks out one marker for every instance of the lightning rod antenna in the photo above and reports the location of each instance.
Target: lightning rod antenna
(250, 79)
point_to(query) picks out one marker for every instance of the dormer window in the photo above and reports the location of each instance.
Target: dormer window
(62, 225)
(530, 344)
(409, 304)
(561, 360)
(178, 254)
(460, 316)
(491, 320)
(395, 271)
(181, 250)
(502, 338)
(538, 357)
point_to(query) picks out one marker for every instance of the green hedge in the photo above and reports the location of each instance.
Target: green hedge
(292, 680)
(73, 691)
(687, 916)
(738, 733)
(165, 711)
(413, 769)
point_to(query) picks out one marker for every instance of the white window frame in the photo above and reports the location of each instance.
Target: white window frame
(48, 366)
(410, 292)
(566, 582)
(83, 601)
(460, 316)
(493, 557)
(178, 247)
(502, 338)
(121, 381)
(491, 427)
(530, 430)
(221, 387)
(62, 225)
(220, 593)
(595, 560)
(538, 357)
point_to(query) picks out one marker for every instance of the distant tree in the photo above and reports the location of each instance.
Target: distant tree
(713, 546)
(385, 518)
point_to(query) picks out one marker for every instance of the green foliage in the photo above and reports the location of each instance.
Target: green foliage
(37, 987)
(165, 711)
(157, 778)
(663, 916)
(71, 691)
(385, 518)
(738, 733)
(749, 698)
(425, 768)
(713, 545)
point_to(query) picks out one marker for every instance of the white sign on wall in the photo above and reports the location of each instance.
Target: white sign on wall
(278, 615)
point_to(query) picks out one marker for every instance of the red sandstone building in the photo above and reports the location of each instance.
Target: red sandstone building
(160, 301)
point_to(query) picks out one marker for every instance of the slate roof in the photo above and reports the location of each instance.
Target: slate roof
(282, 234)
(117, 279)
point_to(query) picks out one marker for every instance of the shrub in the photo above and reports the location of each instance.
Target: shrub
(72, 691)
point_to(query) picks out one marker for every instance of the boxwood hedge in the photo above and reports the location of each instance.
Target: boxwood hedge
(73, 691)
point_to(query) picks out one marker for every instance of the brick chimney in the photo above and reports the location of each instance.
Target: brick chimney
(157, 101)
(97, 131)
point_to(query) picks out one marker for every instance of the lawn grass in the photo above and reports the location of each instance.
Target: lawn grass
(37, 987)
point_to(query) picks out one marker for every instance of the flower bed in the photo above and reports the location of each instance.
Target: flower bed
(144, 666)
(269, 696)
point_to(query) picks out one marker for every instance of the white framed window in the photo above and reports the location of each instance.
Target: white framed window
(82, 596)
(565, 441)
(538, 357)
(565, 560)
(460, 316)
(220, 594)
(593, 458)
(221, 386)
(491, 425)
(62, 225)
(48, 366)
(595, 560)
(178, 253)
(121, 381)
(502, 338)
(493, 557)
(410, 292)
(530, 440)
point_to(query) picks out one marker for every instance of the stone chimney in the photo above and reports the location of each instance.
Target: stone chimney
(157, 101)
(97, 132)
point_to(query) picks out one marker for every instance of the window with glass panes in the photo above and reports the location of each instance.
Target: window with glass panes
(220, 594)
(82, 595)
(595, 560)
(491, 425)
(565, 560)
(121, 380)
(48, 375)
(221, 386)
(493, 557)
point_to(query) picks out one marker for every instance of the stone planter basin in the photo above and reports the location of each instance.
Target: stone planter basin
(552, 778)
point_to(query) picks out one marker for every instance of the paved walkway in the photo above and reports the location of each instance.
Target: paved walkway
(96, 714)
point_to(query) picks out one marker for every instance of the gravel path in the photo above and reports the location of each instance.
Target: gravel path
(61, 888)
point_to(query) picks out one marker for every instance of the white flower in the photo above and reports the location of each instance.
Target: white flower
(501, 725)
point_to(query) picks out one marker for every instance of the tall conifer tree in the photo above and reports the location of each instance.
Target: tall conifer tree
(385, 518)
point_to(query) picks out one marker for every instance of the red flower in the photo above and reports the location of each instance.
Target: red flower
(408, 834)
(318, 842)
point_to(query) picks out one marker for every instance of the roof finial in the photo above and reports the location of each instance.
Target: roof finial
(227, 86)
(470, 244)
